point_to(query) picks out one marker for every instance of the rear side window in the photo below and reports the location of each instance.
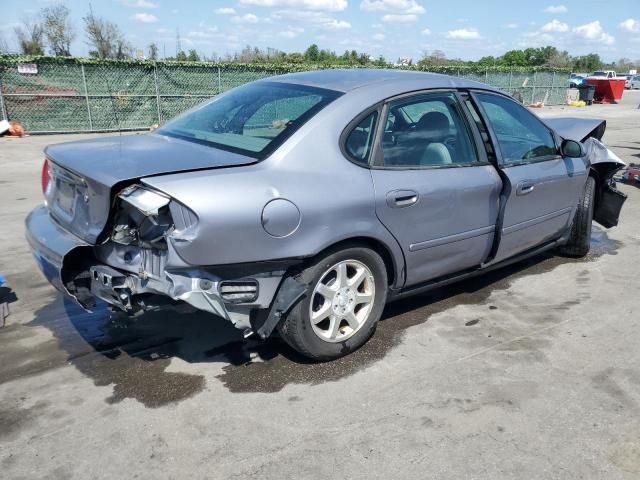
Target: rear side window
(427, 131)
(253, 119)
(521, 136)
(359, 142)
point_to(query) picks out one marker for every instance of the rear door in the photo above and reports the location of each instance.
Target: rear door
(435, 191)
(543, 187)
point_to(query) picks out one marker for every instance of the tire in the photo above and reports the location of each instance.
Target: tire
(580, 238)
(335, 337)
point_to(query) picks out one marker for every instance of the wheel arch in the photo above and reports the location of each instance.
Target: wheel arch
(395, 272)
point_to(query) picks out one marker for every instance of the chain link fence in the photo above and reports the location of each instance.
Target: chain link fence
(88, 97)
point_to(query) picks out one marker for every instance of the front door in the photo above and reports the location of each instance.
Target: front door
(543, 187)
(435, 191)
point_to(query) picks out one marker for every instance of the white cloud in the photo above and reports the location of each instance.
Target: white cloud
(555, 26)
(538, 38)
(630, 25)
(247, 18)
(325, 5)
(225, 11)
(292, 32)
(511, 25)
(138, 3)
(556, 9)
(9, 26)
(144, 18)
(398, 7)
(426, 31)
(391, 18)
(593, 32)
(337, 25)
(379, 36)
(319, 20)
(463, 34)
(203, 34)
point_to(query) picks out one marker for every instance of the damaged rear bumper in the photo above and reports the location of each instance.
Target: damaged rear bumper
(49, 244)
(236, 292)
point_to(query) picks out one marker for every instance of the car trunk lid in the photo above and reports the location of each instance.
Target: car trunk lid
(83, 174)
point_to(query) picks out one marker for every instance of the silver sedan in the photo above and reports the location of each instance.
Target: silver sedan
(307, 201)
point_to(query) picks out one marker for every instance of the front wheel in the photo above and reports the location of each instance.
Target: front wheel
(580, 238)
(346, 293)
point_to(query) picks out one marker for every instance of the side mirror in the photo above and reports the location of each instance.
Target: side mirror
(571, 149)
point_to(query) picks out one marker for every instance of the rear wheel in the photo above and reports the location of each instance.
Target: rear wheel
(580, 238)
(346, 293)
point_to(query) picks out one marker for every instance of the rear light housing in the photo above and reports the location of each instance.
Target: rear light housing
(45, 178)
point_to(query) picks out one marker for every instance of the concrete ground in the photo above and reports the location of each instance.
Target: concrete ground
(530, 372)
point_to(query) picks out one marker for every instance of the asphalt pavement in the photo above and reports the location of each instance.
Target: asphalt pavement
(529, 372)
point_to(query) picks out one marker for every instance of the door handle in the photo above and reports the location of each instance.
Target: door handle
(402, 198)
(525, 187)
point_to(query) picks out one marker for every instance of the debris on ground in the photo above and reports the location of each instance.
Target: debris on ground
(11, 129)
(4, 304)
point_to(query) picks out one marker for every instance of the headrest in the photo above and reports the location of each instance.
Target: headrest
(433, 121)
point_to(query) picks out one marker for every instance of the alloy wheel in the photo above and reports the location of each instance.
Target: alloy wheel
(342, 301)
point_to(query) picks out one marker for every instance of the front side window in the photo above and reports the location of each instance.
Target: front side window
(359, 142)
(521, 136)
(253, 119)
(427, 131)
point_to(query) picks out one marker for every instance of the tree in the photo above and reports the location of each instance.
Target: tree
(380, 61)
(560, 60)
(106, 38)
(294, 57)
(153, 51)
(436, 57)
(312, 54)
(514, 58)
(30, 37)
(181, 56)
(58, 29)
(587, 63)
(193, 56)
(4, 47)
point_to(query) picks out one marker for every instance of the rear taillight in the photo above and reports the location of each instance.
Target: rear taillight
(45, 177)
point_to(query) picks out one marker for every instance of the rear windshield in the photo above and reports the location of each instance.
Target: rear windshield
(253, 119)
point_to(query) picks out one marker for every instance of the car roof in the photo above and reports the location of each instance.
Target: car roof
(344, 80)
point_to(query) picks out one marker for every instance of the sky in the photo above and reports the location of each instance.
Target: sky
(467, 29)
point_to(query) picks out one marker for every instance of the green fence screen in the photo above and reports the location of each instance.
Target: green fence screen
(50, 95)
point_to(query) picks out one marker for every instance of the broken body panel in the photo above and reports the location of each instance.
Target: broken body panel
(603, 162)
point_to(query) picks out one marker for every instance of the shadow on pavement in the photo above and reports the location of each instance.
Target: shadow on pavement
(133, 354)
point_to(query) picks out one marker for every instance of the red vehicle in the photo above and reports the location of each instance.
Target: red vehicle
(632, 176)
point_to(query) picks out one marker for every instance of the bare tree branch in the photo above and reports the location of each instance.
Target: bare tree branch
(58, 29)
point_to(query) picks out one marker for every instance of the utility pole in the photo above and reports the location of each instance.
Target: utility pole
(178, 46)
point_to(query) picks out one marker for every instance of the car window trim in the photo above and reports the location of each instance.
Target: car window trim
(377, 155)
(465, 95)
(494, 138)
(366, 163)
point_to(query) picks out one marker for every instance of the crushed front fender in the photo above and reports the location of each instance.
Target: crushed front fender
(604, 163)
